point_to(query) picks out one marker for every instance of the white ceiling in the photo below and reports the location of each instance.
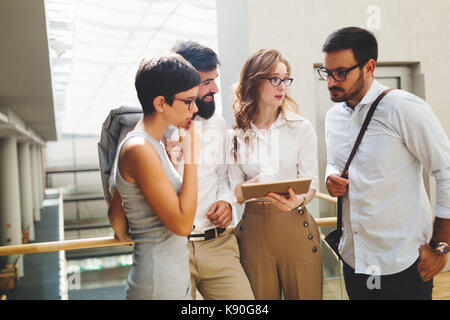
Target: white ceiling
(26, 98)
(100, 44)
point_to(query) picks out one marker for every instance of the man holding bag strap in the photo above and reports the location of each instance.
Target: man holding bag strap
(389, 245)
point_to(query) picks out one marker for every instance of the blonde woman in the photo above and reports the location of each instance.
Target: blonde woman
(278, 239)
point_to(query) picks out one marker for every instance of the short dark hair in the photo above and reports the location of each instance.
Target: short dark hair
(362, 42)
(163, 76)
(201, 57)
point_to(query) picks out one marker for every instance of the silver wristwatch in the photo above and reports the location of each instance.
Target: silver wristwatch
(440, 248)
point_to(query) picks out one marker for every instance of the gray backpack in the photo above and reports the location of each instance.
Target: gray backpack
(116, 126)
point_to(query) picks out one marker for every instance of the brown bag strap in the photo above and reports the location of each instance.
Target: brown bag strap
(355, 147)
(363, 130)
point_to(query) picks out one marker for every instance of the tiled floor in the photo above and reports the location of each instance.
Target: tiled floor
(441, 289)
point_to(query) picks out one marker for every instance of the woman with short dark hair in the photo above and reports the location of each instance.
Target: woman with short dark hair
(158, 205)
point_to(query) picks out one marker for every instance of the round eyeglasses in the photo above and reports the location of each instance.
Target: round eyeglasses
(277, 81)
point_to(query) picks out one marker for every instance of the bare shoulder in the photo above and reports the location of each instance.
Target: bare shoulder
(137, 155)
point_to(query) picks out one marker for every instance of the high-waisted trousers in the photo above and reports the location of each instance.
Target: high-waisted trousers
(280, 252)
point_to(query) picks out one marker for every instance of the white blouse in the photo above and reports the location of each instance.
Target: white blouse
(286, 150)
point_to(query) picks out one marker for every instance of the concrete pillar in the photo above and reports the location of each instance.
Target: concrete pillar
(38, 177)
(232, 56)
(26, 189)
(35, 184)
(40, 173)
(10, 209)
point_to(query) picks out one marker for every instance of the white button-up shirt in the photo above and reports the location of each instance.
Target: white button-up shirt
(286, 150)
(386, 213)
(213, 183)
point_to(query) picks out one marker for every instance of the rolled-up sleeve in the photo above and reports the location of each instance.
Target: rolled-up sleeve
(331, 166)
(235, 173)
(224, 192)
(442, 178)
(426, 139)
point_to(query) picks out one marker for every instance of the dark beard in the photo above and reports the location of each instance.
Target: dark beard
(206, 109)
(352, 92)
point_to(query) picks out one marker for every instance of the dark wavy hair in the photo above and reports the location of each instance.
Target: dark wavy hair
(163, 76)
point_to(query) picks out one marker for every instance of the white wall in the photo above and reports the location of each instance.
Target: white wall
(409, 31)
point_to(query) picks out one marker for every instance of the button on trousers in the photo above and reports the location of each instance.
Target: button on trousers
(280, 251)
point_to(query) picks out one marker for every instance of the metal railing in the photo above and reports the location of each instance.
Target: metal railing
(110, 241)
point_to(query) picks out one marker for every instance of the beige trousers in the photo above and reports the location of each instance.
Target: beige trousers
(216, 270)
(280, 251)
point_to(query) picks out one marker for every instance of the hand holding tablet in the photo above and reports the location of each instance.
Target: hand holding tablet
(260, 190)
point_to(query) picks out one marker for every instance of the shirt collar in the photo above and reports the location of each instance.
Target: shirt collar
(292, 116)
(200, 118)
(371, 95)
(281, 120)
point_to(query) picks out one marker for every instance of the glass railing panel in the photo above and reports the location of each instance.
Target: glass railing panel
(333, 281)
(101, 278)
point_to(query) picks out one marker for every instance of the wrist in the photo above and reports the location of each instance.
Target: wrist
(190, 169)
(439, 248)
(225, 202)
(302, 202)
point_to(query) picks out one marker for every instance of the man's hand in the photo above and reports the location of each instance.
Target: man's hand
(336, 185)
(123, 236)
(430, 263)
(220, 214)
(117, 218)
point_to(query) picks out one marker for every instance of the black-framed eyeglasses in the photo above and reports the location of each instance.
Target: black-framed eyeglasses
(337, 75)
(275, 81)
(188, 102)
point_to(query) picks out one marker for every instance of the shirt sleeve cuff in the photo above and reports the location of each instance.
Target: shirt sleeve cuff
(227, 197)
(329, 171)
(442, 211)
